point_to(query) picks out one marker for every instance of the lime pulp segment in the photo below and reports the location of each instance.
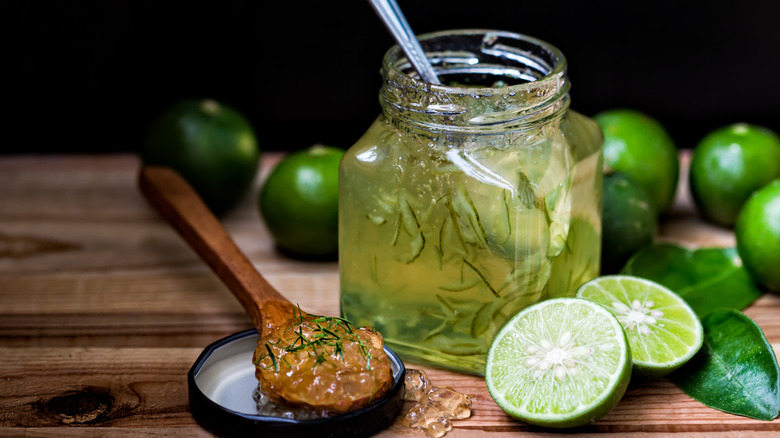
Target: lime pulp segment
(563, 362)
(662, 330)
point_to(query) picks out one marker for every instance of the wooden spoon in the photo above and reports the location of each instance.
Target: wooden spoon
(178, 202)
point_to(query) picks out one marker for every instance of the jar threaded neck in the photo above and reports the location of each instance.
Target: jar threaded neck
(492, 81)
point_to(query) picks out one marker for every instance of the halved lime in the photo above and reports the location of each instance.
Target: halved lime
(563, 362)
(662, 330)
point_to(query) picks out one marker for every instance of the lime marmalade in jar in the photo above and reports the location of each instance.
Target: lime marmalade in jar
(466, 202)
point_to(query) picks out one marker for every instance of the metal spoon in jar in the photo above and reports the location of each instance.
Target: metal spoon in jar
(394, 20)
(345, 355)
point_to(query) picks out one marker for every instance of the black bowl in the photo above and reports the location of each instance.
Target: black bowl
(220, 391)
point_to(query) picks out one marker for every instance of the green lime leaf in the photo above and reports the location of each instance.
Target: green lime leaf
(736, 370)
(707, 278)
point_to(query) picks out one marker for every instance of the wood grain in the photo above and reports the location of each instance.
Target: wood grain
(103, 309)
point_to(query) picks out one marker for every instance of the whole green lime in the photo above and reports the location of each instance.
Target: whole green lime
(628, 221)
(299, 202)
(758, 235)
(211, 145)
(639, 146)
(728, 165)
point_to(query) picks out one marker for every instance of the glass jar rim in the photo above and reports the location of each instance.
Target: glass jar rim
(536, 88)
(394, 55)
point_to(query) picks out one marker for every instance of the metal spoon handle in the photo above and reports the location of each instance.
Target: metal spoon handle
(396, 23)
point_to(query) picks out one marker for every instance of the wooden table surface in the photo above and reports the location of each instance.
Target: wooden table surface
(103, 309)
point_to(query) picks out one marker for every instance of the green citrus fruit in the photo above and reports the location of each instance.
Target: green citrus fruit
(640, 147)
(728, 165)
(563, 362)
(211, 145)
(663, 331)
(758, 235)
(299, 202)
(628, 221)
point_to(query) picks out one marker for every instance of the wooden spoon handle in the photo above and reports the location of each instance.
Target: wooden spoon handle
(178, 202)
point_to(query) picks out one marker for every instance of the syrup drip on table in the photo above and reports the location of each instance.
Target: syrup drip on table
(435, 407)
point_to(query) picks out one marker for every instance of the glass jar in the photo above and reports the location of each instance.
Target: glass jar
(466, 202)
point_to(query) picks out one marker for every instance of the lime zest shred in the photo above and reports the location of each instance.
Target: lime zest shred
(441, 238)
(410, 224)
(445, 304)
(397, 229)
(455, 226)
(507, 219)
(473, 217)
(482, 277)
(273, 358)
(460, 287)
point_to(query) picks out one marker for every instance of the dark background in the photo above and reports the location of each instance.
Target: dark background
(89, 76)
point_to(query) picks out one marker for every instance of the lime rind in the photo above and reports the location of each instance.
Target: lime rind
(663, 331)
(563, 362)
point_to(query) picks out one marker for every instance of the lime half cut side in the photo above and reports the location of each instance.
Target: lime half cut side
(563, 362)
(662, 330)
